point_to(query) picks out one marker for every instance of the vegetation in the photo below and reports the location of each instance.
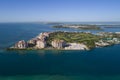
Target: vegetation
(74, 37)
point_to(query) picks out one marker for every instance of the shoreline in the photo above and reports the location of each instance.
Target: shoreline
(68, 41)
(10, 49)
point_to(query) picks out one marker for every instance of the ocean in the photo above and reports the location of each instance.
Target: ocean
(96, 64)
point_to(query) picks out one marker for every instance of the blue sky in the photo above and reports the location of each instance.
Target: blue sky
(59, 10)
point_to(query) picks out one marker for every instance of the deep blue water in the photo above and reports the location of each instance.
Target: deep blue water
(97, 64)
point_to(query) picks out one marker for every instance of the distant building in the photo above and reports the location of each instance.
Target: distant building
(43, 36)
(101, 43)
(40, 44)
(76, 46)
(32, 41)
(117, 32)
(58, 44)
(40, 41)
(21, 45)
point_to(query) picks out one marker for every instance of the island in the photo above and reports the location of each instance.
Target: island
(79, 26)
(86, 26)
(68, 41)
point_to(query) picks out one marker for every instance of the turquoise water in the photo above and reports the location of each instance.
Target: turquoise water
(97, 64)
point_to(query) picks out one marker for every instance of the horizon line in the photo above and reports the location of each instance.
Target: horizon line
(53, 21)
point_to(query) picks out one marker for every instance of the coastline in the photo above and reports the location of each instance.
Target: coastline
(59, 41)
(46, 49)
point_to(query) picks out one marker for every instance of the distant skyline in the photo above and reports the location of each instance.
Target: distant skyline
(59, 10)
